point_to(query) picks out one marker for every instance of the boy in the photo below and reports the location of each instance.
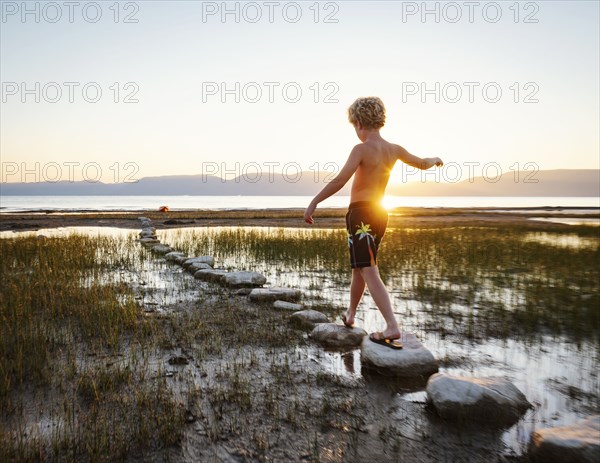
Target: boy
(371, 162)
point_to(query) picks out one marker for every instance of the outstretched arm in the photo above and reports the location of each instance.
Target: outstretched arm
(335, 184)
(415, 161)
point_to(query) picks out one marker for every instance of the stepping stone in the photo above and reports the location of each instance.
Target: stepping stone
(273, 294)
(243, 279)
(200, 260)
(242, 291)
(307, 318)
(144, 219)
(284, 305)
(411, 361)
(162, 249)
(149, 241)
(197, 266)
(492, 400)
(177, 257)
(577, 443)
(334, 335)
(210, 274)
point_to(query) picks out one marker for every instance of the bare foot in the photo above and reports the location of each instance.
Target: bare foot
(348, 319)
(393, 333)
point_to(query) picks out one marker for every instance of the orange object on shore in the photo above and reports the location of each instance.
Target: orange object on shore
(163, 209)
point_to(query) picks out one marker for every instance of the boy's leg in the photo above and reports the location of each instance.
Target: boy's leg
(357, 288)
(381, 297)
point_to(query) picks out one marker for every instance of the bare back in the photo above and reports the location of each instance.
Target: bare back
(377, 159)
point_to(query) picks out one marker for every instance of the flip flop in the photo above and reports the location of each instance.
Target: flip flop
(346, 324)
(391, 343)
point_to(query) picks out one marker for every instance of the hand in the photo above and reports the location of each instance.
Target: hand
(437, 162)
(309, 212)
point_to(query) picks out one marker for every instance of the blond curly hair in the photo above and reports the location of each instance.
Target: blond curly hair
(368, 111)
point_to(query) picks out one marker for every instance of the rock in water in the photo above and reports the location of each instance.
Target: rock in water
(334, 335)
(148, 233)
(162, 249)
(578, 443)
(198, 266)
(413, 360)
(284, 305)
(177, 257)
(243, 279)
(210, 275)
(495, 401)
(272, 294)
(307, 318)
(200, 260)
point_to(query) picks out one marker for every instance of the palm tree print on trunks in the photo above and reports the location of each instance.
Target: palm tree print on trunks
(365, 231)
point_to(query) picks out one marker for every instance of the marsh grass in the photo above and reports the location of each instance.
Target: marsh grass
(72, 330)
(62, 302)
(510, 278)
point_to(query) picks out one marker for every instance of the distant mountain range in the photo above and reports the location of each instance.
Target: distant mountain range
(562, 182)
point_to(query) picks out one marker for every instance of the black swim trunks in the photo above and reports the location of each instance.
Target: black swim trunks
(366, 222)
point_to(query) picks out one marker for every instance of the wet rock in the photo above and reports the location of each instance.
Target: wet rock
(144, 219)
(284, 305)
(273, 294)
(243, 279)
(162, 249)
(216, 276)
(149, 241)
(413, 360)
(242, 291)
(495, 401)
(579, 442)
(307, 318)
(334, 335)
(198, 266)
(177, 257)
(200, 260)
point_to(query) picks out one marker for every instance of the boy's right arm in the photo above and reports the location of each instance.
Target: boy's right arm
(415, 161)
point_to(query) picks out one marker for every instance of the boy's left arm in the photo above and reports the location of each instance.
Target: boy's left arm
(335, 184)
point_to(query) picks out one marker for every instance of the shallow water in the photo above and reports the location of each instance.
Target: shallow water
(556, 371)
(592, 222)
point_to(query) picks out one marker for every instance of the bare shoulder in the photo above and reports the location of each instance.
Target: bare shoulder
(400, 152)
(359, 150)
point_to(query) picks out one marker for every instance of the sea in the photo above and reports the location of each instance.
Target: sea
(138, 203)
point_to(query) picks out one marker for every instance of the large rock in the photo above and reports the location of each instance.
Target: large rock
(284, 305)
(200, 260)
(413, 360)
(273, 294)
(334, 335)
(307, 318)
(162, 249)
(198, 266)
(148, 233)
(209, 274)
(243, 279)
(495, 401)
(578, 443)
(177, 257)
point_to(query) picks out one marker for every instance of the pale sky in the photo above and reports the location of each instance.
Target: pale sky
(178, 63)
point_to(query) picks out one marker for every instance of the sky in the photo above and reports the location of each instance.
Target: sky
(137, 89)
